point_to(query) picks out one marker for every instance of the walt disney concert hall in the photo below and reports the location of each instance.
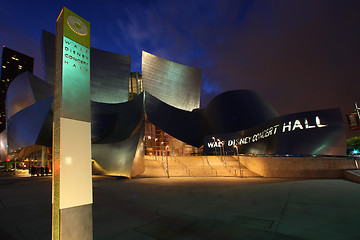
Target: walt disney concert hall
(157, 113)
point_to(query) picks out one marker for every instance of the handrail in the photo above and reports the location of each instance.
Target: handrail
(163, 166)
(187, 170)
(226, 165)
(211, 168)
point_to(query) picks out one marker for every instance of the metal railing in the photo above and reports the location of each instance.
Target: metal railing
(164, 167)
(187, 170)
(211, 168)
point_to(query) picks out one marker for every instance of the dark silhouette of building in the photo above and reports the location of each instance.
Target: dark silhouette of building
(13, 63)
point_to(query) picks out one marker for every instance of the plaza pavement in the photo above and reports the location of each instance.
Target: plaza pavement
(193, 208)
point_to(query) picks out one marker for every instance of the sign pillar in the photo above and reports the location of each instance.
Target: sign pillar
(72, 196)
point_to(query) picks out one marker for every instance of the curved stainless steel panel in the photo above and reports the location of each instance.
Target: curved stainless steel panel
(19, 95)
(228, 112)
(24, 127)
(237, 110)
(115, 122)
(308, 133)
(25, 90)
(109, 75)
(48, 55)
(3, 145)
(186, 126)
(117, 132)
(175, 84)
(117, 158)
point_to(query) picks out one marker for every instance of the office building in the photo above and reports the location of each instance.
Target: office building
(13, 63)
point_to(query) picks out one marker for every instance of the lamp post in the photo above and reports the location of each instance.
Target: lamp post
(162, 151)
(167, 162)
(357, 109)
(221, 143)
(149, 142)
(155, 149)
(237, 154)
(215, 145)
(220, 146)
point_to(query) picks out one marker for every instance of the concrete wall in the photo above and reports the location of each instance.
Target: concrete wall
(313, 167)
(251, 166)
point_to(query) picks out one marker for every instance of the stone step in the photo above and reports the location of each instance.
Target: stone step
(196, 166)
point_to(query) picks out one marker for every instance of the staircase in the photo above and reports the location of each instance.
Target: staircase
(195, 166)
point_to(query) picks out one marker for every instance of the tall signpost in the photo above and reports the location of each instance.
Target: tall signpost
(72, 196)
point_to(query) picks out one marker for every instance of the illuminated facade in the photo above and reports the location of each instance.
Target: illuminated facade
(135, 85)
(29, 112)
(109, 72)
(157, 112)
(13, 63)
(173, 83)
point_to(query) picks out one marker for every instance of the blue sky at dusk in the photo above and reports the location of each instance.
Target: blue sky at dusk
(300, 55)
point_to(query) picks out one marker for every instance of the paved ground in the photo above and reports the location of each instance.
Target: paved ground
(193, 208)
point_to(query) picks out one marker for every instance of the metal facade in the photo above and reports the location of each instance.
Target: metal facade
(109, 76)
(117, 133)
(237, 110)
(311, 133)
(175, 84)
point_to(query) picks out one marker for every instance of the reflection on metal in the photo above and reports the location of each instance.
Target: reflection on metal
(25, 90)
(172, 100)
(138, 166)
(72, 196)
(3, 145)
(48, 55)
(115, 122)
(135, 85)
(109, 71)
(308, 133)
(117, 158)
(109, 76)
(247, 109)
(237, 110)
(25, 127)
(29, 111)
(117, 132)
(186, 126)
(175, 84)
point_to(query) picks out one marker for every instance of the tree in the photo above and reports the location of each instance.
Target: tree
(353, 142)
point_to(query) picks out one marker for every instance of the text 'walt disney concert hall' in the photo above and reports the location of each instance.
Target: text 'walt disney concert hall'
(158, 113)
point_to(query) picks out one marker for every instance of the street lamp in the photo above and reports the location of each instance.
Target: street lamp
(219, 146)
(155, 149)
(162, 150)
(223, 150)
(237, 154)
(215, 145)
(167, 163)
(148, 144)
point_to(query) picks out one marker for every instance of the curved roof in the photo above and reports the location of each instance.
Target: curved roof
(173, 83)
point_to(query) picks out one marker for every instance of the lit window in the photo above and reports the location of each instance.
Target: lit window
(3, 66)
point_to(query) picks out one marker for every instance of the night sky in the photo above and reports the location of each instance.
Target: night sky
(300, 55)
